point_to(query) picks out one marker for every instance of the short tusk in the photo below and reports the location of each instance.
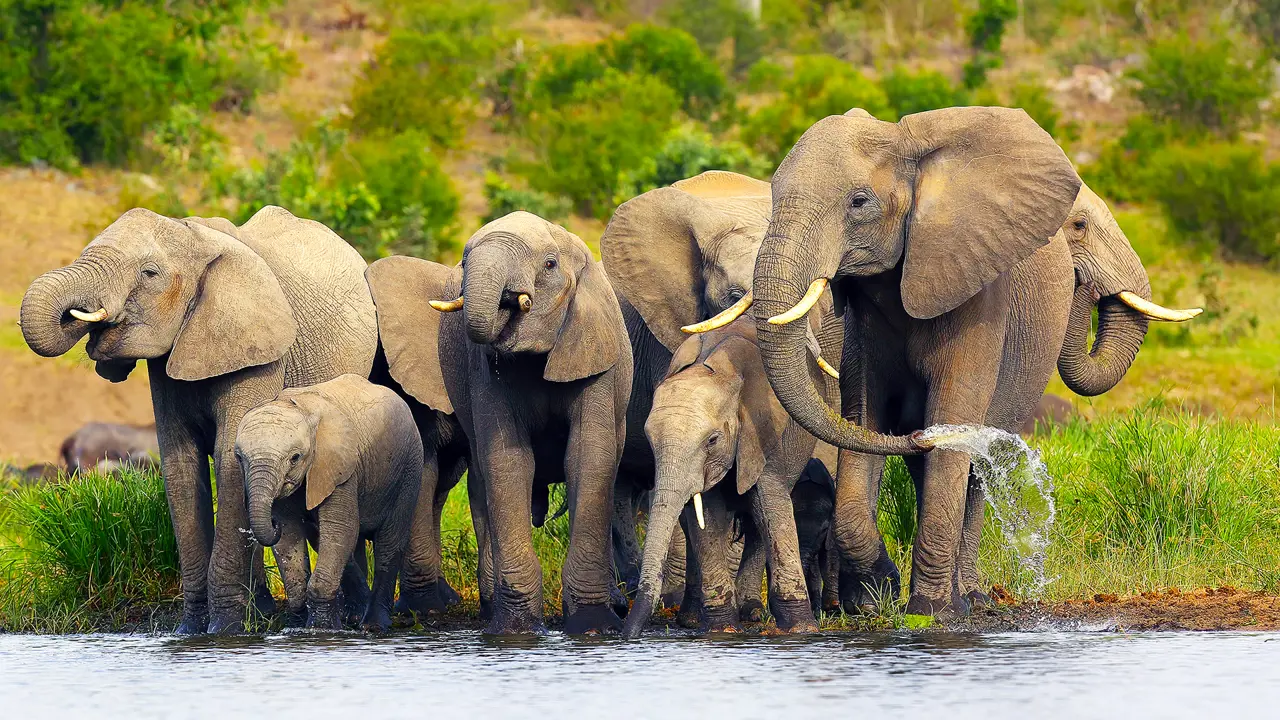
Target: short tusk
(524, 301)
(816, 349)
(697, 510)
(447, 305)
(724, 317)
(804, 306)
(1154, 311)
(97, 316)
(826, 368)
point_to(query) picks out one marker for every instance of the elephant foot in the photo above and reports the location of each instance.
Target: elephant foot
(227, 622)
(866, 593)
(294, 617)
(689, 616)
(978, 599)
(793, 616)
(941, 608)
(638, 618)
(672, 598)
(722, 619)
(194, 622)
(518, 620)
(751, 611)
(830, 602)
(264, 605)
(377, 619)
(429, 599)
(324, 614)
(448, 595)
(592, 620)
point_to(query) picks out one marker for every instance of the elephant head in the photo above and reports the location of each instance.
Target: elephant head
(714, 413)
(281, 445)
(150, 286)
(1109, 275)
(950, 198)
(530, 287)
(684, 253)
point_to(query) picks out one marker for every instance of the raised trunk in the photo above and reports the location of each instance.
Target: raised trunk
(785, 268)
(1121, 330)
(664, 513)
(484, 285)
(262, 496)
(47, 325)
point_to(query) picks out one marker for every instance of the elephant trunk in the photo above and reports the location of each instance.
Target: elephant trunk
(485, 284)
(664, 513)
(1121, 330)
(262, 495)
(785, 269)
(48, 325)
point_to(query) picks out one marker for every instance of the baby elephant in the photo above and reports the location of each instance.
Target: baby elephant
(356, 449)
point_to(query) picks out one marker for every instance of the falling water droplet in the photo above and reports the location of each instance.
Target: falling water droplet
(1018, 489)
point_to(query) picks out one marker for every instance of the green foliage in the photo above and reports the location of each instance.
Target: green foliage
(688, 151)
(426, 74)
(1264, 20)
(1030, 95)
(1120, 172)
(673, 57)
(896, 513)
(985, 29)
(381, 193)
(715, 22)
(504, 199)
(909, 92)
(818, 86)
(1202, 86)
(83, 80)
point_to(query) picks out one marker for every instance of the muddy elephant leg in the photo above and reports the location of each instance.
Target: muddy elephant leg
(486, 578)
(185, 466)
(389, 542)
(673, 576)
(866, 572)
(420, 569)
(788, 597)
(937, 544)
(292, 559)
(339, 539)
(690, 615)
(507, 466)
(591, 465)
(719, 606)
(829, 557)
(355, 584)
(750, 578)
(448, 480)
(229, 564)
(626, 542)
(966, 578)
(263, 602)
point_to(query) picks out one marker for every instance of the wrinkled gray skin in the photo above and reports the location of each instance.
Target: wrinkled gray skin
(716, 428)
(940, 234)
(409, 363)
(676, 256)
(814, 500)
(226, 317)
(542, 396)
(346, 455)
(107, 446)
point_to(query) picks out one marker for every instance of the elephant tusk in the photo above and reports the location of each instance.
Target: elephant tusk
(447, 305)
(1154, 311)
(816, 349)
(524, 301)
(724, 317)
(97, 316)
(697, 510)
(804, 306)
(826, 368)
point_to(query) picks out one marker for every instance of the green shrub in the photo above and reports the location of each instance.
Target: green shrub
(582, 145)
(896, 510)
(673, 57)
(1202, 85)
(818, 86)
(1226, 194)
(505, 199)
(83, 80)
(1120, 173)
(714, 22)
(909, 92)
(985, 28)
(686, 152)
(1030, 95)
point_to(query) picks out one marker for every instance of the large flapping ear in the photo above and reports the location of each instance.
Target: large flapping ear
(991, 188)
(222, 225)
(409, 327)
(651, 250)
(333, 450)
(239, 316)
(591, 336)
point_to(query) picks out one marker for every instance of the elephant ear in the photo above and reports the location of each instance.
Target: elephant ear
(991, 188)
(592, 334)
(334, 450)
(651, 251)
(239, 316)
(724, 184)
(686, 354)
(402, 289)
(222, 225)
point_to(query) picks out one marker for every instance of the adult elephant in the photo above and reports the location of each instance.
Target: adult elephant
(934, 234)
(225, 317)
(677, 256)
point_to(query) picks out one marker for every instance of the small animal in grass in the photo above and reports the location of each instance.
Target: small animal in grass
(343, 458)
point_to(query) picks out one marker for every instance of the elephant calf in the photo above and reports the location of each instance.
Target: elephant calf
(355, 447)
(106, 446)
(814, 500)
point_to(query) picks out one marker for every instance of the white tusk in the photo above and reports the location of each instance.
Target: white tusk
(97, 316)
(724, 317)
(1154, 311)
(697, 510)
(804, 306)
(826, 368)
(447, 305)
(525, 302)
(816, 349)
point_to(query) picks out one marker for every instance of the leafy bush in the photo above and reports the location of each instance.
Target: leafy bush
(714, 22)
(83, 80)
(1120, 172)
(1202, 86)
(909, 92)
(686, 152)
(505, 199)
(985, 28)
(1030, 95)
(819, 86)
(673, 57)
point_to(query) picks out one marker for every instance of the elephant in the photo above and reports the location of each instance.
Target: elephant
(226, 317)
(716, 419)
(1052, 410)
(106, 446)
(345, 453)
(409, 363)
(814, 501)
(677, 256)
(537, 367)
(941, 237)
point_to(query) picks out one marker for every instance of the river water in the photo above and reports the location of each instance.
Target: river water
(462, 674)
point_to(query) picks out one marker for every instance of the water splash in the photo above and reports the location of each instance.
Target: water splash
(1018, 489)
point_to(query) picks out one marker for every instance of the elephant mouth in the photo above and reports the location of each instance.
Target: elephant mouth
(103, 340)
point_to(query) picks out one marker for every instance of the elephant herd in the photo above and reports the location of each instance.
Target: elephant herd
(739, 342)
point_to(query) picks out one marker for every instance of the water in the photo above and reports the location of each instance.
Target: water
(1047, 674)
(1018, 489)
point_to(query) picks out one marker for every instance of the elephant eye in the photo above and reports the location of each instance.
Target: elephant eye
(711, 441)
(296, 457)
(549, 263)
(858, 201)
(1080, 224)
(736, 294)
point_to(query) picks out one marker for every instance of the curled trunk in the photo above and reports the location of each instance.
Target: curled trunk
(47, 325)
(261, 498)
(484, 286)
(1093, 371)
(664, 513)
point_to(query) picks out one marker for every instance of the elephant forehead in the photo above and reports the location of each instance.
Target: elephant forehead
(271, 423)
(138, 231)
(524, 225)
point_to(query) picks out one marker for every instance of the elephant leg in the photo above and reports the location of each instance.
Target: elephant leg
(389, 542)
(690, 615)
(292, 559)
(937, 544)
(590, 469)
(866, 572)
(420, 570)
(750, 579)
(486, 578)
(339, 538)
(448, 480)
(673, 575)
(719, 607)
(507, 465)
(229, 564)
(830, 561)
(355, 584)
(626, 542)
(788, 595)
(263, 603)
(185, 466)
(967, 582)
